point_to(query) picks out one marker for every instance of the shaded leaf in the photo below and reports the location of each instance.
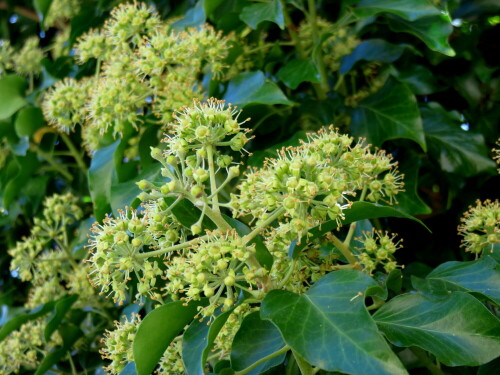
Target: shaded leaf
(433, 31)
(419, 79)
(253, 88)
(157, 330)
(18, 321)
(456, 150)
(60, 309)
(479, 276)
(194, 17)
(358, 211)
(297, 71)
(458, 329)
(330, 327)
(28, 121)
(12, 89)
(371, 50)
(255, 340)
(198, 340)
(268, 10)
(390, 113)
(129, 369)
(409, 201)
(42, 8)
(407, 9)
(101, 174)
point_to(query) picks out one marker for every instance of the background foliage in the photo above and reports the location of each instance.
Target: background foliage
(418, 78)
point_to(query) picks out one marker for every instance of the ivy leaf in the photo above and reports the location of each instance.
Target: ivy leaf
(158, 329)
(253, 88)
(390, 113)
(297, 71)
(419, 79)
(101, 175)
(458, 329)
(198, 340)
(407, 9)
(129, 369)
(194, 17)
(60, 309)
(479, 276)
(42, 8)
(371, 50)
(456, 150)
(12, 89)
(28, 121)
(330, 327)
(409, 201)
(255, 340)
(358, 211)
(268, 10)
(433, 31)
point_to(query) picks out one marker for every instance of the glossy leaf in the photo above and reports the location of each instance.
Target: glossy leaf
(458, 329)
(28, 121)
(371, 50)
(100, 176)
(42, 8)
(330, 327)
(408, 9)
(60, 309)
(479, 276)
(197, 342)
(456, 150)
(12, 89)
(433, 31)
(129, 369)
(269, 10)
(297, 71)
(27, 166)
(255, 340)
(390, 113)
(358, 211)
(419, 79)
(157, 330)
(253, 88)
(409, 201)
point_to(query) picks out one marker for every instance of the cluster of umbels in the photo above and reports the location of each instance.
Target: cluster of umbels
(60, 11)
(26, 347)
(480, 228)
(144, 70)
(154, 252)
(377, 249)
(26, 61)
(44, 258)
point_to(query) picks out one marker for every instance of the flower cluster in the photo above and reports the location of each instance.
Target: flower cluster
(27, 61)
(26, 347)
(45, 259)
(377, 248)
(6, 53)
(61, 10)
(480, 227)
(143, 67)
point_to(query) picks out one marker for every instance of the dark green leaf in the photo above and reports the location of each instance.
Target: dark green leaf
(407, 9)
(458, 329)
(371, 50)
(60, 309)
(433, 31)
(27, 166)
(28, 121)
(358, 211)
(297, 71)
(100, 176)
(390, 113)
(258, 157)
(198, 340)
(409, 201)
(255, 340)
(419, 79)
(456, 150)
(253, 88)
(479, 276)
(194, 17)
(157, 330)
(12, 89)
(330, 327)
(42, 8)
(268, 10)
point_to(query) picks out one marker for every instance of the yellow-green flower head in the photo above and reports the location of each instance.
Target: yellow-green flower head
(377, 248)
(61, 10)
(92, 45)
(60, 44)
(24, 257)
(6, 55)
(117, 344)
(64, 105)
(480, 227)
(171, 362)
(211, 269)
(28, 59)
(496, 157)
(26, 347)
(129, 22)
